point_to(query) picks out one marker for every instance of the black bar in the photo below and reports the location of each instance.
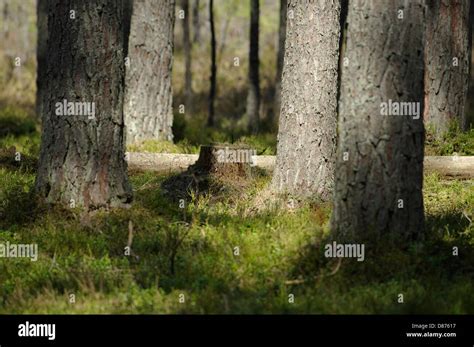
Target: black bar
(150, 330)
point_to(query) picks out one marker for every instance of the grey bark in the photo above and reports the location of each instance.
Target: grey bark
(213, 78)
(307, 128)
(280, 55)
(196, 22)
(253, 97)
(148, 93)
(188, 91)
(378, 188)
(447, 80)
(81, 159)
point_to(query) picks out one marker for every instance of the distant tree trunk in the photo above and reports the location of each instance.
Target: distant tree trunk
(196, 22)
(253, 97)
(188, 90)
(280, 55)
(447, 61)
(470, 108)
(41, 51)
(148, 94)
(379, 168)
(307, 131)
(17, 50)
(82, 155)
(212, 92)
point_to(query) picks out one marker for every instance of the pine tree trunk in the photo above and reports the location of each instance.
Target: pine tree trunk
(280, 56)
(253, 97)
(447, 63)
(82, 155)
(307, 132)
(148, 95)
(379, 169)
(196, 22)
(213, 87)
(188, 91)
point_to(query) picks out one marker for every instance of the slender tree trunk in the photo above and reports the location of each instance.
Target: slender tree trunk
(212, 91)
(17, 50)
(379, 168)
(41, 51)
(280, 55)
(447, 61)
(196, 22)
(253, 97)
(307, 132)
(148, 94)
(188, 91)
(470, 98)
(82, 153)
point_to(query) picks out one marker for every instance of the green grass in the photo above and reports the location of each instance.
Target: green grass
(191, 251)
(454, 141)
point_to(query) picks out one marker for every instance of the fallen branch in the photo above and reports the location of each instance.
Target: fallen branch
(448, 166)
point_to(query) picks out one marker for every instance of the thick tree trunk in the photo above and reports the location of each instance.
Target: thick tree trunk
(280, 56)
(196, 22)
(41, 51)
(447, 63)
(148, 96)
(379, 169)
(253, 97)
(213, 87)
(307, 132)
(82, 153)
(188, 90)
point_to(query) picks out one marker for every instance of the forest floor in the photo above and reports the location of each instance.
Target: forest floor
(190, 253)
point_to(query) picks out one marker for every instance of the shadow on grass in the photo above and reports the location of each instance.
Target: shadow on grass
(437, 272)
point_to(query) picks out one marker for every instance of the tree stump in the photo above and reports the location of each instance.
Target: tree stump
(218, 167)
(225, 161)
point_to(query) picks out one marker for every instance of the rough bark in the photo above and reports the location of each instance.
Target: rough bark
(213, 78)
(307, 131)
(253, 97)
(280, 55)
(447, 63)
(82, 160)
(188, 91)
(196, 22)
(148, 95)
(379, 169)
